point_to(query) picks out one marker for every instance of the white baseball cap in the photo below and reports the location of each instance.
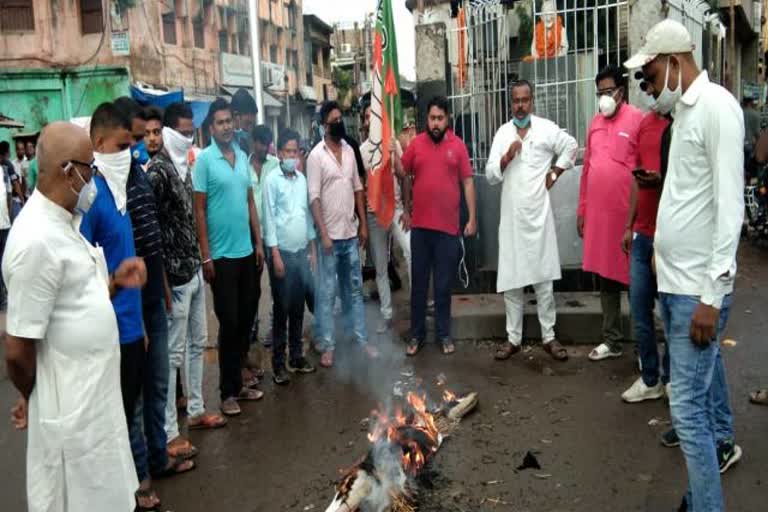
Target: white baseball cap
(665, 38)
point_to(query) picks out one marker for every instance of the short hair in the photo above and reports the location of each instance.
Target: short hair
(287, 136)
(521, 83)
(262, 134)
(218, 105)
(243, 103)
(176, 111)
(440, 102)
(153, 114)
(130, 108)
(327, 108)
(616, 73)
(19, 141)
(4, 147)
(108, 116)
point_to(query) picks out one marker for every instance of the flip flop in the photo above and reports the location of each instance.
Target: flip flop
(448, 348)
(176, 466)
(184, 450)
(146, 494)
(603, 351)
(556, 350)
(326, 360)
(506, 351)
(206, 421)
(759, 397)
(413, 347)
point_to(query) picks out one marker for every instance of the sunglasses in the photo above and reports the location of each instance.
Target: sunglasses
(644, 82)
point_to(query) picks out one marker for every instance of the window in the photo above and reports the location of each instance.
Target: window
(245, 43)
(198, 29)
(169, 28)
(273, 54)
(223, 41)
(91, 17)
(16, 15)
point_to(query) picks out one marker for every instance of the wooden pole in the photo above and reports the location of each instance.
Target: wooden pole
(732, 56)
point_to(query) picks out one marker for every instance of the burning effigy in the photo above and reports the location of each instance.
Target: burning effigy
(403, 440)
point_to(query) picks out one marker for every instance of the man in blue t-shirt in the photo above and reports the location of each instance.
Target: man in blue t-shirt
(231, 249)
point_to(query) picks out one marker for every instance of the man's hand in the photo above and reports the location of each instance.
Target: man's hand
(209, 272)
(580, 225)
(405, 221)
(549, 182)
(626, 242)
(363, 235)
(19, 414)
(514, 150)
(259, 250)
(704, 325)
(313, 260)
(278, 265)
(649, 180)
(471, 228)
(132, 273)
(327, 244)
(168, 300)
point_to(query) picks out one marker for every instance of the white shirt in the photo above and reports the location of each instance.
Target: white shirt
(78, 453)
(5, 218)
(528, 252)
(369, 154)
(702, 204)
(21, 166)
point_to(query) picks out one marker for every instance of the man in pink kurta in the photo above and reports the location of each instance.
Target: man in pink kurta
(610, 157)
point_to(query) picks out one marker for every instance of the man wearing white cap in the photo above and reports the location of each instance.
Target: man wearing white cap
(697, 235)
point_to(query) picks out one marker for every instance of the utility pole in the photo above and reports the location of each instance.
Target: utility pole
(287, 38)
(732, 56)
(253, 21)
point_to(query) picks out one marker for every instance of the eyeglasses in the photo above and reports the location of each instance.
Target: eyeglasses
(606, 92)
(92, 166)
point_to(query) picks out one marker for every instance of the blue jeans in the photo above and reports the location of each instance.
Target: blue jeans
(289, 293)
(701, 413)
(642, 294)
(344, 262)
(149, 443)
(187, 335)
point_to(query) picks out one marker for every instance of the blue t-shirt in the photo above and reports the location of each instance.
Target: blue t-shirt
(227, 189)
(106, 227)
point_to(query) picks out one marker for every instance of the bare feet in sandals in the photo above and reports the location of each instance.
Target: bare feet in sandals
(759, 397)
(556, 350)
(146, 499)
(506, 351)
(175, 466)
(413, 347)
(180, 447)
(448, 347)
(206, 421)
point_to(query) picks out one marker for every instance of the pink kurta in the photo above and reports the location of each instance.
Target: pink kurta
(609, 159)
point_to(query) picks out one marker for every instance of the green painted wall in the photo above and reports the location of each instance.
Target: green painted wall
(37, 97)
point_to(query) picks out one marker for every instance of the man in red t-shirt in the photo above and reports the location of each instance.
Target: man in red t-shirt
(439, 163)
(638, 242)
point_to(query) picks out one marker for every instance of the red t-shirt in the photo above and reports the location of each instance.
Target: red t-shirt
(649, 148)
(438, 170)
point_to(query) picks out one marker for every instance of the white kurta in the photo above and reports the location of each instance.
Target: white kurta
(528, 251)
(78, 453)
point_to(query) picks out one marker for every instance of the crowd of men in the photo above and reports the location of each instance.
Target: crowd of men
(108, 262)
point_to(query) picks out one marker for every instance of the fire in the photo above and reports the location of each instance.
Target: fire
(413, 430)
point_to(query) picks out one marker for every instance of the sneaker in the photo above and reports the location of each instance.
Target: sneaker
(639, 392)
(280, 376)
(728, 454)
(670, 439)
(230, 407)
(301, 366)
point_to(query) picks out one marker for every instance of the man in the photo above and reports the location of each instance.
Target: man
(378, 236)
(32, 174)
(231, 249)
(697, 235)
(153, 131)
(335, 194)
(609, 158)
(439, 163)
(638, 244)
(61, 347)
(290, 239)
(244, 112)
(138, 129)
(21, 164)
(521, 159)
(31, 150)
(171, 180)
(5, 225)
(13, 175)
(751, 125)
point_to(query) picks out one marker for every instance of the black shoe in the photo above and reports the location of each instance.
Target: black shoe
(670, 439)
(728, 454)
(280, 376)
(301, 365)
(683, 506)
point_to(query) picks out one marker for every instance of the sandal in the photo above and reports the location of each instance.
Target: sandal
(206, 421)
(146, 494)
(251, 395)
(326, 360)
(181, 448)
(413, 347)
(448, 347)
(556, 350)
(176, 466)
(603, 351)
(759, 397)
(506, 351)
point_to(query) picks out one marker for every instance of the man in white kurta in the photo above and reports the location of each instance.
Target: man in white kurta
(521, 159)
(62, 347)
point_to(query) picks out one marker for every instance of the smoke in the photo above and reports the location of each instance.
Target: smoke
(391, 478)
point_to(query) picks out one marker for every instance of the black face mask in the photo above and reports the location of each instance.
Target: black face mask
(337, 130)
(436, 138)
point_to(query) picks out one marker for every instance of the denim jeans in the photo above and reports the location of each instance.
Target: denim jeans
(149, 443)
(435, 253)
(344, 262)
(699, 404)
(289, 293)
(642, 295)
(187, 335)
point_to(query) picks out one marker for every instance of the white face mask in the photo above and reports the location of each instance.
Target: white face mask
(647, 102)
(607, 105)
(668, 98)
(87, 194)
(178, 146)
(115, 168)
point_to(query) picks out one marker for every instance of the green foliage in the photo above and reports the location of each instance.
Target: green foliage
(125, 4)
(526, 26)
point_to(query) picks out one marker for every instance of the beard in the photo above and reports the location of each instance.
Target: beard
(436, 135)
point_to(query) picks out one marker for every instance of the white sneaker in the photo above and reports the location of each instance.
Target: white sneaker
(639, 392)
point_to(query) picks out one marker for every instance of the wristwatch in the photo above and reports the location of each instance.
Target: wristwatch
(553, 176)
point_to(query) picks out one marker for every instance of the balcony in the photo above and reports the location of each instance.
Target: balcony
(748, 17)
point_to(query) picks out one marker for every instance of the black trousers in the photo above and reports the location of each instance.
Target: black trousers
(235, 305)
(132, 359)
